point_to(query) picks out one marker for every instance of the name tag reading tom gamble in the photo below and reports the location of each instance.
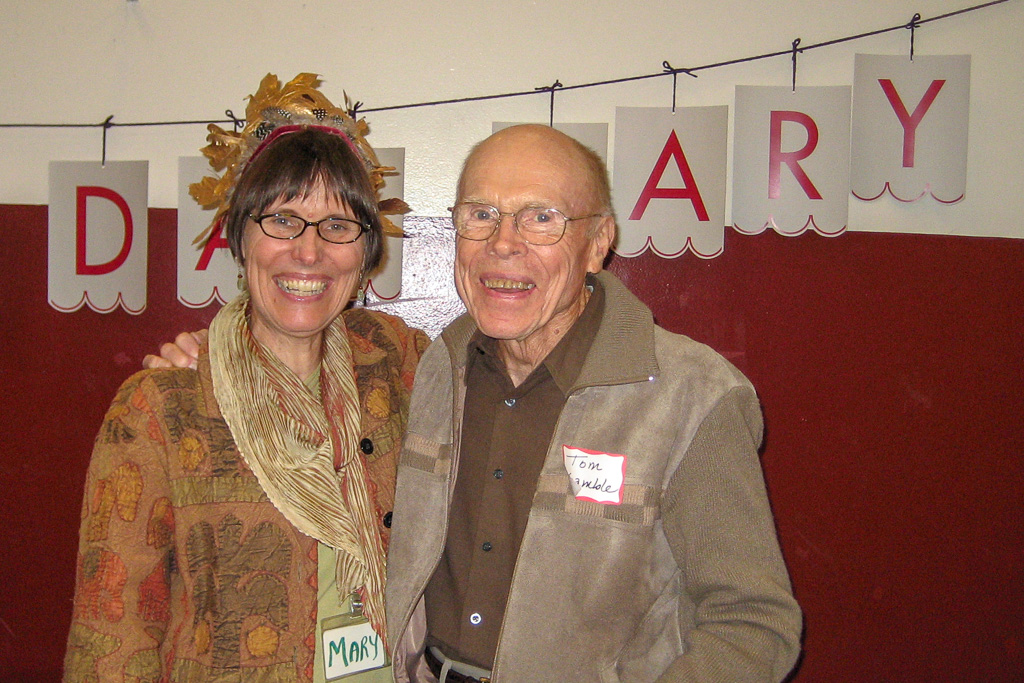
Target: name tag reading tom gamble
(351, 649)
(595, 475)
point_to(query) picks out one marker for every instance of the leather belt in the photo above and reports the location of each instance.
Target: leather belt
(435, 665)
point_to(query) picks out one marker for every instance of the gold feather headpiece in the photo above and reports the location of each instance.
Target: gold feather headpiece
(296, 103)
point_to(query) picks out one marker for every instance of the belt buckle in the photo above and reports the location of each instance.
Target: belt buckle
(452, 674)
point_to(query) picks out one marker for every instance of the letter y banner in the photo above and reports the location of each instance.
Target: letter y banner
(910, 127)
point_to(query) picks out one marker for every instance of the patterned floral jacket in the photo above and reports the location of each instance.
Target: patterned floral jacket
(186, 571)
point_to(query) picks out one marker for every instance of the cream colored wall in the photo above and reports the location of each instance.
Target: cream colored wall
(155, 60)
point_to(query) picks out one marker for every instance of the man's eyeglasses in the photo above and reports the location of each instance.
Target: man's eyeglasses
(536, 225)
(284, 226)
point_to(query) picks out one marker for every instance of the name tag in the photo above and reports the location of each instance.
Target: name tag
(351, 649)
(594, 475)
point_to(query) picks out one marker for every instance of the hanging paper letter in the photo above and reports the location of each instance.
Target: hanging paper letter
(206, 272)
(386, 283)
(791, 160)
(98, 235)
(910, 127)
(669, 180)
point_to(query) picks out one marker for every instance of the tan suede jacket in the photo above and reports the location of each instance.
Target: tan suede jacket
(682, 581)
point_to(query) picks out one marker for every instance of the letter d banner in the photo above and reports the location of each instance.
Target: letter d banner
(98, 229)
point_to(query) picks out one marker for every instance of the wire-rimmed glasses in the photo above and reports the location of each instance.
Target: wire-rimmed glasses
(537, 225)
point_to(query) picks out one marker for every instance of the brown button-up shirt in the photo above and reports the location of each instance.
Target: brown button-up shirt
(506, 432)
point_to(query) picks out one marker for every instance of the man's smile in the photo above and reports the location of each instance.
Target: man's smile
(505, 283)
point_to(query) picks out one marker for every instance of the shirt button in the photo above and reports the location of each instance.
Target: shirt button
(366, 446)
(487, 546)
(510, 402)
(498, 474)
(387, 520)
(475, 618)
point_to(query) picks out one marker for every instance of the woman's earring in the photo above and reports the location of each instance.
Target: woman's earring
(361, 290)
(241, 278)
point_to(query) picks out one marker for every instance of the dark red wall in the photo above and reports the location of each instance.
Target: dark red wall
(891, 369)
(891, 372)
(59, 372)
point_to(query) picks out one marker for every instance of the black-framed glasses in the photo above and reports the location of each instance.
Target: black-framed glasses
(537, 225)
(285, 226)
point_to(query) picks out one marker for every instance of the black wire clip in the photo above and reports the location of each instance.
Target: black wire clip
(915, 21)
(551, 89)
(107, 124)
(238, 123)
(796, 45)
(668, 68)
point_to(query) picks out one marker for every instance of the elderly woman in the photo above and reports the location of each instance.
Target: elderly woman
(236, 516)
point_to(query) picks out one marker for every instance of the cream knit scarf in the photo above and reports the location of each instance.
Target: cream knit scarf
(290, 441)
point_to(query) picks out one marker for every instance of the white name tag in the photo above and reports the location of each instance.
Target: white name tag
(351, 649)
(595, 475)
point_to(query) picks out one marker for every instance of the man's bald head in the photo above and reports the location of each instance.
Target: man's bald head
(531, 141)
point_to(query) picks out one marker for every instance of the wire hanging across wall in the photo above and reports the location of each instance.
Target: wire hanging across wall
(667, 70)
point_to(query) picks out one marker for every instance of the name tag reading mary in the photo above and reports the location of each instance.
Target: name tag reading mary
(594, 475)
(351, 649)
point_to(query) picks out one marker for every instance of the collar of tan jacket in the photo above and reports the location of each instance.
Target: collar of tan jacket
(627, 324)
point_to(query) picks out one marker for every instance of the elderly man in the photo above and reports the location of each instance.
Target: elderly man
(579, 495)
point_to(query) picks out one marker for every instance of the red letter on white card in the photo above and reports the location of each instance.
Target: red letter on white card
(689, 190)
(907, 120)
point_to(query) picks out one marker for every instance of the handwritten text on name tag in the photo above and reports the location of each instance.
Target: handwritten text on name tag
(595, 475)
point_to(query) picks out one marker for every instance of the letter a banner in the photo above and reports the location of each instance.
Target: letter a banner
(206, 272)
(98, 234)
(791, 169)
(910, 127)
(669, 180)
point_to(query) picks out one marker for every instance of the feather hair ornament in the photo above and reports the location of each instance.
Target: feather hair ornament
(296, 103)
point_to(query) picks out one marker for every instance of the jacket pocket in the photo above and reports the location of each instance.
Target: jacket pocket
(640, 504)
